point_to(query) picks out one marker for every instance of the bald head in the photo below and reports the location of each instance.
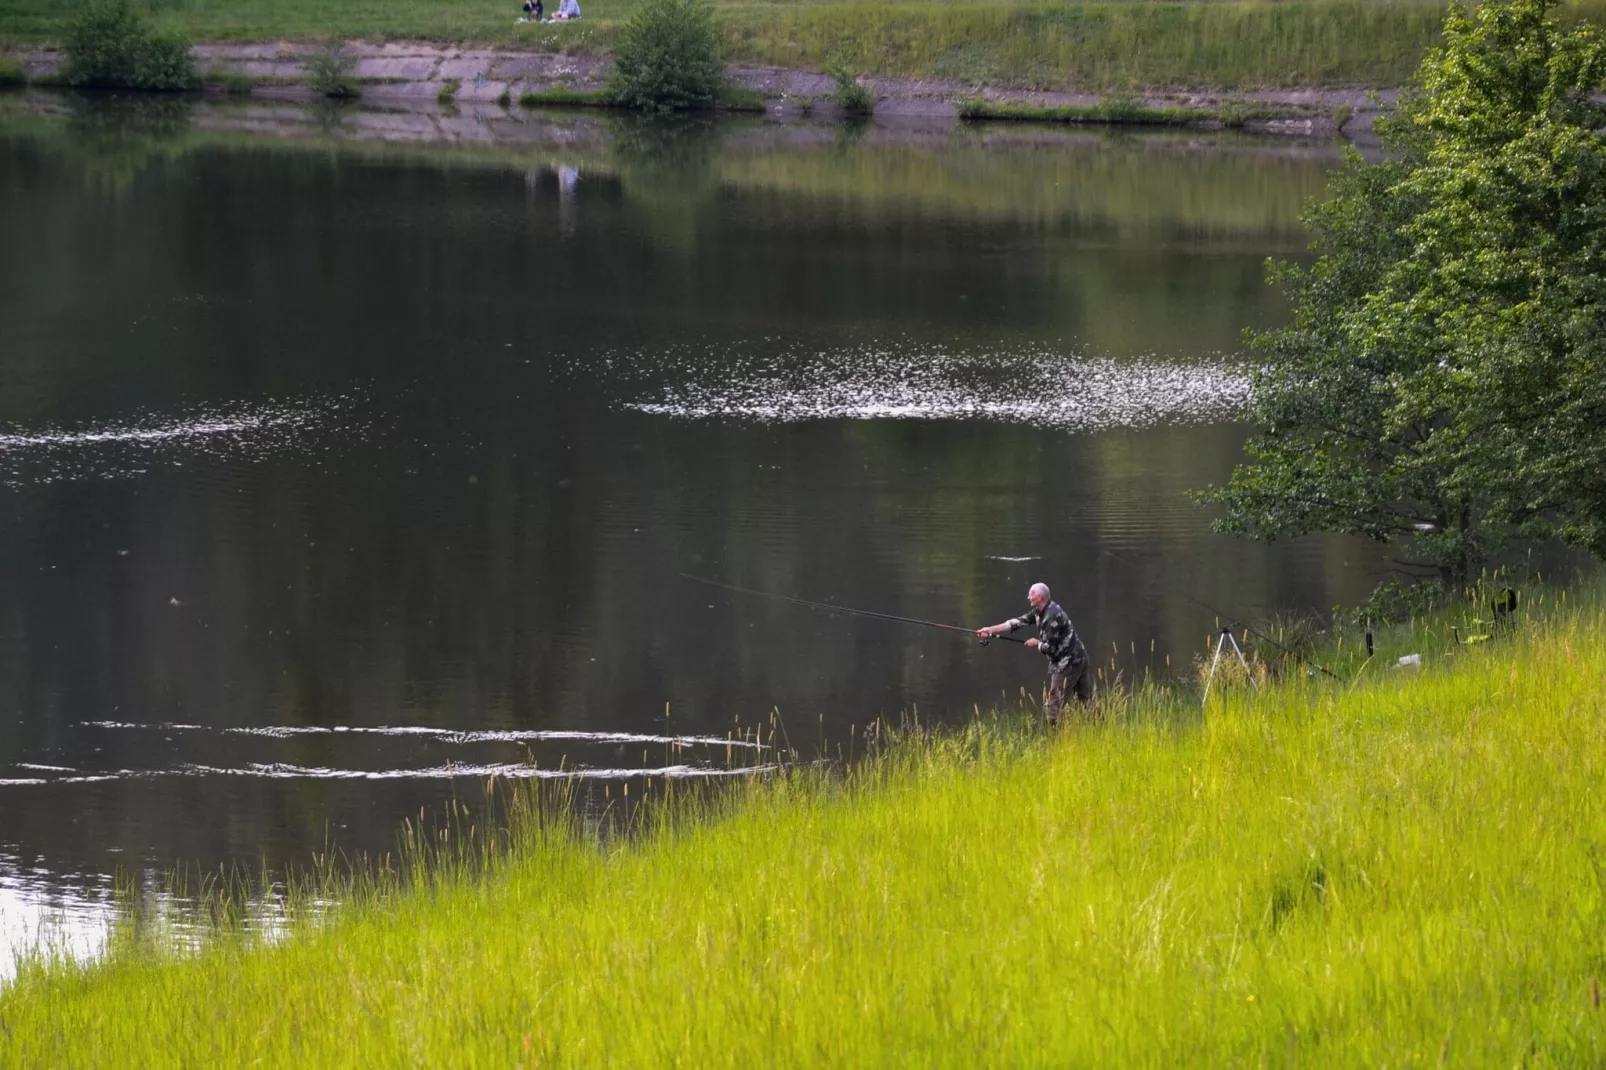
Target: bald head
(1038, 596)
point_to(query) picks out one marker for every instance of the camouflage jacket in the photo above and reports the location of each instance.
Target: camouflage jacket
(1056, 638)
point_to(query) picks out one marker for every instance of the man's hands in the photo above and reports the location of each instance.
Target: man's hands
(999, 629)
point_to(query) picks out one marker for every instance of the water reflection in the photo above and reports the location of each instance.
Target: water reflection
(416, 442)
(43, 915)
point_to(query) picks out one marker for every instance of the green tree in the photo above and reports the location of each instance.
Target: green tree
(109, 44)
(668, 57)
(1442, 381)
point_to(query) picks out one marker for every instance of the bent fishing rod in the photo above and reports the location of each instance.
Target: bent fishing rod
(872, 614)
(1239, 623)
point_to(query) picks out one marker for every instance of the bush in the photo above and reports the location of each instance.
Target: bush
(111, 45)
(329, 71)
(1232, 114)
(668, 57)
(1391, 602)
(849, 95)
(1123, 109)
(12, 74)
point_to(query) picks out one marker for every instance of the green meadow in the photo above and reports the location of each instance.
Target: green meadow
(1016, 43)
(1404, 868)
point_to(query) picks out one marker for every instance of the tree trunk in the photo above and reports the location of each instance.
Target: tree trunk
(1463, 558)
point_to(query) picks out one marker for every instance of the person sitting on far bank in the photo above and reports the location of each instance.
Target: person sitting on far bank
(1068, 664)
(533, 10)
(567, 10)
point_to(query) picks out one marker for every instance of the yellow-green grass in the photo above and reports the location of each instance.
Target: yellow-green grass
(1406, 868)
(1026, 43)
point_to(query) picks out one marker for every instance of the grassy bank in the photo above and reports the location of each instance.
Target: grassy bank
(1117, 112)
(1404, 868)
(1018, 43)
(731, 98)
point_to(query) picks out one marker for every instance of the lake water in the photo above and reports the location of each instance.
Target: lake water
(346, 458)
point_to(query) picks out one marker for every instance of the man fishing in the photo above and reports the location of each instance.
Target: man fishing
(1068, 668)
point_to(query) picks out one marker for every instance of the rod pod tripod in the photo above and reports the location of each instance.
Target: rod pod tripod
(1222, 640)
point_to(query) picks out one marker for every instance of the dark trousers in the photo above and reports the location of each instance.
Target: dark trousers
(1077, 679)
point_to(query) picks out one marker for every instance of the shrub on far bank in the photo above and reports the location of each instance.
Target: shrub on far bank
(12, 74)
(110, 45)
(849, 95)
(329, 72)
(668, 58)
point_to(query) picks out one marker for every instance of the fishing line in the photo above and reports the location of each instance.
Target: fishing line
(833, 608)
(1238, 623)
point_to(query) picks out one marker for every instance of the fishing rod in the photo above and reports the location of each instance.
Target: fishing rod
(842, 609)
(1239, 623)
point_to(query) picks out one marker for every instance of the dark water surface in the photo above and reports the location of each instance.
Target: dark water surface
(337, 474)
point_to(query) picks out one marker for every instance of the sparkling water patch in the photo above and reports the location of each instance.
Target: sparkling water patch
(1046, 388)
(131, 445)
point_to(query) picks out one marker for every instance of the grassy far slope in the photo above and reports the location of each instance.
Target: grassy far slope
(1407, 868)
(1024, 43)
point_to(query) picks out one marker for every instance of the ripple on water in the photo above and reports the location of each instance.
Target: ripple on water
(1043, 387)
(689, 746)
(445, 771)
(448, 735)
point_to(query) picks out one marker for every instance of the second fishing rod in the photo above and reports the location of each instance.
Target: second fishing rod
(1238, 623)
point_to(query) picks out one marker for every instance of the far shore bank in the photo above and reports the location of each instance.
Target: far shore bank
(451, 77)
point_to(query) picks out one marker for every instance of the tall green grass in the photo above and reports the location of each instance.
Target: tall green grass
(1033, 45)
(1020, 43)
(1405, 868)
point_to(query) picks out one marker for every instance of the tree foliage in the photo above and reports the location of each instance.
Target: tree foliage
(110, 45)
(1443, 381)
(668, 57)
